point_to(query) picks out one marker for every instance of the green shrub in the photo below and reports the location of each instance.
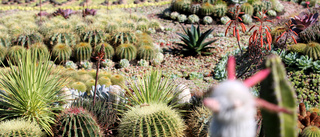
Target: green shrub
(77, 122)
(126, 51)
(21, 128)
(31, 91)
(82, 51)
(61, 53)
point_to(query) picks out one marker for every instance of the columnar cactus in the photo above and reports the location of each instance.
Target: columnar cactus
(76, 122)
(277, 89)
(126, 51)
(151, 120)
(82, 51)
(247, 8)
(313, 50)
(20, 128)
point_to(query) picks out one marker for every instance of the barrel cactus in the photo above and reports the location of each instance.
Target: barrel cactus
(61, 53)
(40, 48)
(126, 51)
(299, 47)
(105, 81)
(220, 10)
(182, 18)
(108, 50)
(260, 14)
(14, 53)
(257, 6)
(193, 18)
(277, 6)
(174, 15)
(313, 50)
(271, 13)
(117, 79)
(311, 33)
(207, 20)
(206, 9)
(224, 20)
(199, 121)
(247, 8)
(124, 63)
(146, 52)
(266, 5)
(195, 8)
(80, 86)
(181, 6)
(246, 18)
(151, 120)
(282, 94)
(82, 51)
(20, 128)
(76, 122)
(311, 131)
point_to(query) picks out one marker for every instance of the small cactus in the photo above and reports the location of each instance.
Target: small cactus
(182, 18)
(146, 52)
(108, 50)
(277, 6)
(124, 63)
(207, 20)
(220, 9)
(299, 47)
(108, 63)
(193, 19)
(151, 120)
(246, 18)
(86, 64)
(71, 64)
(257, 6)
(117, 80)
(266, 5)
(195, 8)
(271, 13)
(311, 131)
(206, 9)
(14, 54)
(174, 15)
(105, 81)
(80, 86)
(247, 8)
(90, 83)
(199, 121)
(143, 63)
(126, 51)
(313, 50)
(20, 128)
(40, 48)
(167, 13)
(61, 53)
(76, 122)
(142, 26)
(260, 14)
(224, 20)
(181, 6)
(82, 51)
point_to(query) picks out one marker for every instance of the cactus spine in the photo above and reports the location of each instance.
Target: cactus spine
(108, 50)
(247, 8)
(20, 128)
(199, 121)
(151, 120)
(61, 53)
(311, 131)
(277, 89)
(126, 51)
(77, 122)
(206, 9)
(82, 51)
(313, 50)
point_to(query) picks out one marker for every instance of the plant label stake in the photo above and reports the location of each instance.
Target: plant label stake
(99, 57)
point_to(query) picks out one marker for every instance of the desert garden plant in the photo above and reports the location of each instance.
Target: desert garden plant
(31, 91)
(194, 41)
(20, 127)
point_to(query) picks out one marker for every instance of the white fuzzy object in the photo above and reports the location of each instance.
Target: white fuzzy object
(185, 95)
(70, 96)
(117, 91)
(236, 115)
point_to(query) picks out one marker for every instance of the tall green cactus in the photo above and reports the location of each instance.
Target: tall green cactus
(82, 51)
(126, 51)
(220, 9)
(20, 128)
(157, 120)
(277, 89)
(76, 122)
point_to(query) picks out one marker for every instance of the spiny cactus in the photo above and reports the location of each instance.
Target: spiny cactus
(181, 6)
(3, 52)
(20, 128)
(143, 63)
(311, 33)
(299, 47)
(105, 74)
(117, 79)
(195, 8)
(146, 52)
(123, 36)
(277, 6)
(142, 26)
(76, 122)
(40, 48)
(257, 6)
(311, 131)
(80, 86)
(82, 51)
(246, 18)
(86, 64)
(193, 18)
(126, 51)
(207, 20)
(220, 10)
(14, 54)
(266, 5)
(61, 53)
(154, 24)
(199, 121)
(206, 9)
(182, 18)
(276, 32)
(111, 27)
(313, 50)
(108, 50)
(247, 8)
(282, 94)
(271, 13)
(108, 63)
(71, 64)
(260, 14)
(224, 20)
(151, 120)
(174, 15)
(105, 81)
(90, 83)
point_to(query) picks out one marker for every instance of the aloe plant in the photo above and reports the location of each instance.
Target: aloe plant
(193, 41)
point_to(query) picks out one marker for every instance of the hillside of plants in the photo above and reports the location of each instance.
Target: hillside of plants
(180, 68)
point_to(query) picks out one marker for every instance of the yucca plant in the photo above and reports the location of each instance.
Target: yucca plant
(193, 41)
(31, 92)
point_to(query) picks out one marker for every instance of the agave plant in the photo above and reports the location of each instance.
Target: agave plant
(31, 91)
(193, 41)
(304, 20)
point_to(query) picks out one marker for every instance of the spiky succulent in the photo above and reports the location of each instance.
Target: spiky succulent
(193, 18)
(311, 131)
(299, 48)
(14, 53)
(272, 13)
(108, 50)
(126, 51)
(146, 52)
(20, 127)
(174, 15)
(61, 53)
(220, 9)
(195, 8)
(182, 18)
(206, 9)
(313, 50)
(124, 63)
(246, 18)
(82, 51)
